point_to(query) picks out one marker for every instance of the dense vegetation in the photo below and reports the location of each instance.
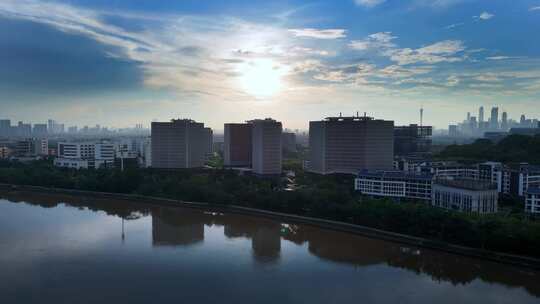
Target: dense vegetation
(512, 148)
(330, 197)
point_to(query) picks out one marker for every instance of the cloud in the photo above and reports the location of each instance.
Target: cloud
(369, 3)
(397, 71)
(179, 52)
(318, 34)
(443, 51)
(308, 66)
(381, 40)
(535, 8)
(484, 16)
(437, 3)
(502, 57)
(453, 26)
(452, 81)
(488, 77)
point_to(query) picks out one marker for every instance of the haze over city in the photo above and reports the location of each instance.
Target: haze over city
(123, 63)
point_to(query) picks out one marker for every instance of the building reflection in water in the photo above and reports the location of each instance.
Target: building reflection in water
(181, 227)
(176, 227)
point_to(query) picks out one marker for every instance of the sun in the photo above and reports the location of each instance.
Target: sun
(262, 78)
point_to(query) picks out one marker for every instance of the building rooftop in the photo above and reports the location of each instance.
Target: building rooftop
(395, 174)
(534, 190)
(467, 184)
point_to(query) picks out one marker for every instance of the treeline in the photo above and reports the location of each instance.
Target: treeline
(520, 148)
(329, 197)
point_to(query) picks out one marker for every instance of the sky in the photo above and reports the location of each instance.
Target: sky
(119, 62)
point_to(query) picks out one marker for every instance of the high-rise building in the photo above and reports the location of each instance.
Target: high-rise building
(5, 128)
(40, 130)
(266, 152)
(23, 130)
(237, 145)
(350, 144)
(481, 115)
(504, 121)
(208, 136)
(412, 139)
(180, 143)
(288, 141)
(494, 121)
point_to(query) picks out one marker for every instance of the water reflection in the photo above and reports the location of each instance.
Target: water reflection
(174, 227)
(186, 227)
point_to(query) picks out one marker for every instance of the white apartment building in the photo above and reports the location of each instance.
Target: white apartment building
(453, 171)
(394, 184)
(532, 201)
(465, 195)
(85, 155)
(266, 150)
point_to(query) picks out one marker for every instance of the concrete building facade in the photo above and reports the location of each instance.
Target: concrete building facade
(394, 184)
(84, 155)
(181, 143)
(350, 144)
(237, 145)
(465, 195)
(532, 201)
(266, 152)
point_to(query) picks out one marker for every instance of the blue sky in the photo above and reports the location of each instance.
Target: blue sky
(119, 63)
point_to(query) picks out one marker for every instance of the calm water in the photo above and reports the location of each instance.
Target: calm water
(61, 249)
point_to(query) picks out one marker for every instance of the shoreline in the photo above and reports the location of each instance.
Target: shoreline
(505, 258)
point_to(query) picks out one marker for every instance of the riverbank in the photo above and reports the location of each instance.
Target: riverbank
(517, 260)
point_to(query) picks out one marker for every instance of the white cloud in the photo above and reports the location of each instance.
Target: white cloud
(453, 26)
(443, 51)
(535, 8)
(488, 77)
(452, 81)
(308, 66)
(502, 57)
(374, 41)
(162, 48)
(369, 3)
(397, 71)
(332, 76)
(318, 34)
(484, 16)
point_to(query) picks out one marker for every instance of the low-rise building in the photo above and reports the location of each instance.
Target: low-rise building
(465, 195)
(523, 178)
(31, 147)
(395, 184)
(451, 170)
(532, 201)
(5, 152)
(85, 155)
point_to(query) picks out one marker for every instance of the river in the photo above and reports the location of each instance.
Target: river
(66, 249)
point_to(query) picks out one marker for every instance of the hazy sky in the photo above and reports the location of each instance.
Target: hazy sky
(119, 63)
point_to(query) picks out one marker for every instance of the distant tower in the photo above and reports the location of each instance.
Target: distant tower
(481, 114)
(421, 116)
(504, 122)
(468, 116)
(522, 120)
(494, 122)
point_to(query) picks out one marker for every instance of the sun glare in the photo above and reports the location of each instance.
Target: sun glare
(262, 78)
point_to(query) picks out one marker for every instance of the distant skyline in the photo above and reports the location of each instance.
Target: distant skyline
(86, 62)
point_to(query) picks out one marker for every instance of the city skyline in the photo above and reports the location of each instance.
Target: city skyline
(93, 62)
